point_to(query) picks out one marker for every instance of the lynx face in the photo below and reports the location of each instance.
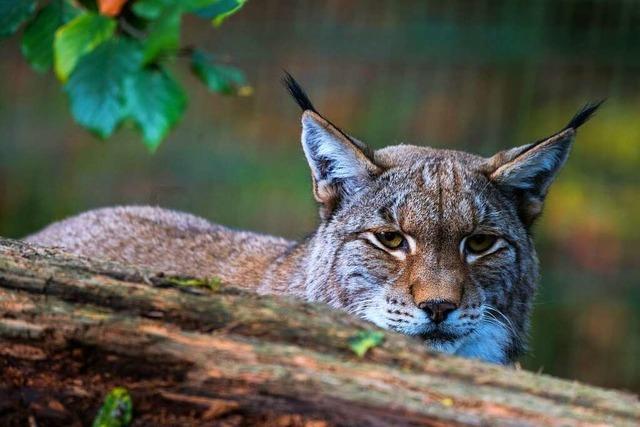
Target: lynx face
(429, 247)
(430, 243)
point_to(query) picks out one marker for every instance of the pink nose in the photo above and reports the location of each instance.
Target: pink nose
(437, 310)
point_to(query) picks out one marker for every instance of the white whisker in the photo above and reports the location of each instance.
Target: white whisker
(508, 325)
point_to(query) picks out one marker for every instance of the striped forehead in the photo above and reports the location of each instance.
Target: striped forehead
(443, 195)
(446, 175)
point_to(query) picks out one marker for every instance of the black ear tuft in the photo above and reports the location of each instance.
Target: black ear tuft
(583, 115)
(297, 92)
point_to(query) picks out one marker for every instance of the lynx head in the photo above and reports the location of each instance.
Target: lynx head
(427, 242)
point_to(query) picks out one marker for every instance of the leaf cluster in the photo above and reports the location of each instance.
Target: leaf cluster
(113, 57)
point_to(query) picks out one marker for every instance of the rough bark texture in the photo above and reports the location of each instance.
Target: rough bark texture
(71, 329)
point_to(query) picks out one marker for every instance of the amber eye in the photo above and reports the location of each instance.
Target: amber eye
(479, 243)
(390, 239)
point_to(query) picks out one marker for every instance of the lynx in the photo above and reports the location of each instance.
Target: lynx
(427, 242)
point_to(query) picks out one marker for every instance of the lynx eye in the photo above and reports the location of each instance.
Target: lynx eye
(390, 239)
(479, 243)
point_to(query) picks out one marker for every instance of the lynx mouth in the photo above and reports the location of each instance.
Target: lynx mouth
(438, 335)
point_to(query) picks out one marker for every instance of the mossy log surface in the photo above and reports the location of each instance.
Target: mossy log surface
(71, 329)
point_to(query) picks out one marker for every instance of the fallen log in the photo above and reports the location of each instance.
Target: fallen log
(194, 352)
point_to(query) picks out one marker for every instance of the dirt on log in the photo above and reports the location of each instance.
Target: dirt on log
(71, 329)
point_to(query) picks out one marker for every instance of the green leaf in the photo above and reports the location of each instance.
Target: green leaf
(219, 11)
(155, 102)
(152, 9)
(164, 34)
(37, 42)
(365, 340)
(96, 87)
(219, 78)
(116, 410)
(77, 38)
(13, 13)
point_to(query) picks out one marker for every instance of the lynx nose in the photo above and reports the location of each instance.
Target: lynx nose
(437, 310)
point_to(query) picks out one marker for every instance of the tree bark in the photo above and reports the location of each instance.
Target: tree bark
(71, 329)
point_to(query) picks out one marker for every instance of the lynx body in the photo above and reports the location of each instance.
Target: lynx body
(430, 243)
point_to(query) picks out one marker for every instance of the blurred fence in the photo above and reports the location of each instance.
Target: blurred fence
(473, 75)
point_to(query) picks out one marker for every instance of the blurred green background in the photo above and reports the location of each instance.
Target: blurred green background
(472, 75)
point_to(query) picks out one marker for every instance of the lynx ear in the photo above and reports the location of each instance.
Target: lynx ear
(340, 165)
(526, 172)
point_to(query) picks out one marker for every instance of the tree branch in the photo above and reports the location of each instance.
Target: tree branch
(71, 329)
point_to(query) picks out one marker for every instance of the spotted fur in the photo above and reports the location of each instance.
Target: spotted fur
(435, 198)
